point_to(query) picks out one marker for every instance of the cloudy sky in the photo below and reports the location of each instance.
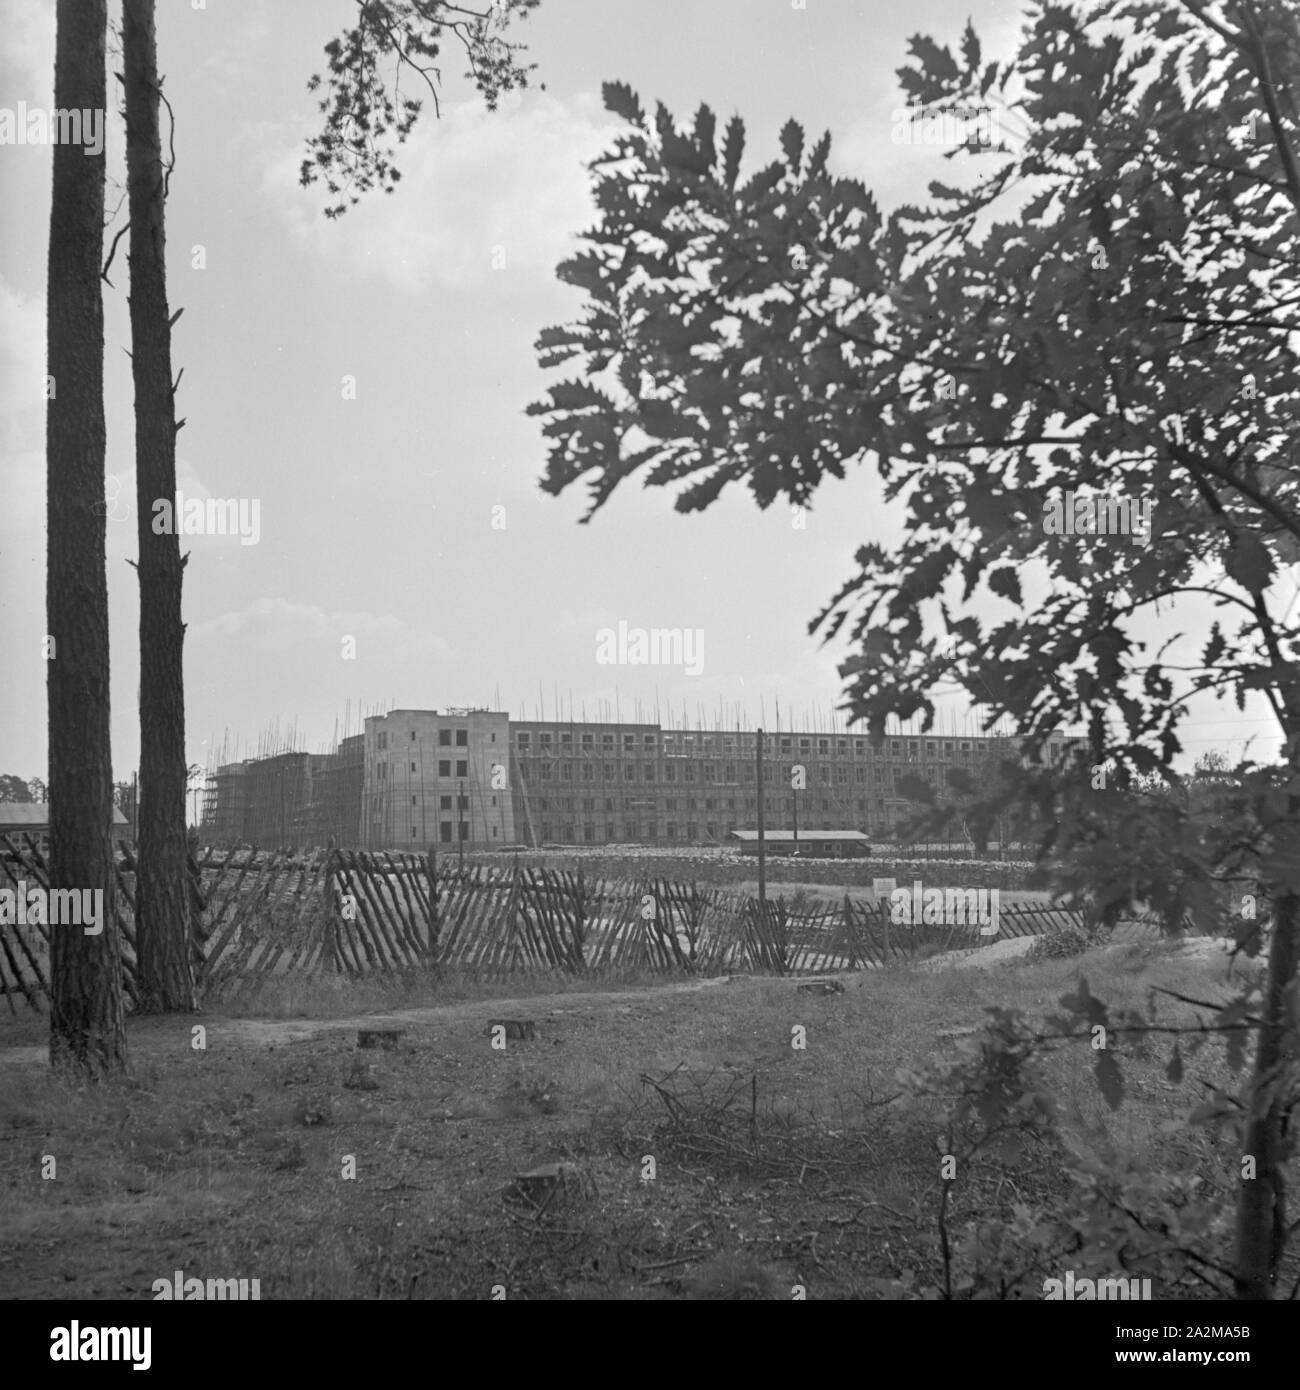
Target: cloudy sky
(376, 513)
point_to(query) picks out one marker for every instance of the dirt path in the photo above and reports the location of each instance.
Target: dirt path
(150, 1035)
(259, 1032)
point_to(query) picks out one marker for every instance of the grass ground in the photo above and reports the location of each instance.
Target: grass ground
(710, 1158)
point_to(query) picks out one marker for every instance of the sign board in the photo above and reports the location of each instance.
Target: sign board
(883, 887)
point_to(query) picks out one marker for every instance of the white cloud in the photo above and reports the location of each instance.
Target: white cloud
(277, 624)
(474, 184)
(22, 412)
(22, 369)
(27, 54)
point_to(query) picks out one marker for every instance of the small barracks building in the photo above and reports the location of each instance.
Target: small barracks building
(809, 844)
(32, 818)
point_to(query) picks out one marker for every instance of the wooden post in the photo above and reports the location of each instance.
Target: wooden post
(512, 906)
(579, 919)
(331, 949)
(762, 868)
(431, 875)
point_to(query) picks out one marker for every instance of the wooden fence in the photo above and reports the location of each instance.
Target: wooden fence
(260, 915)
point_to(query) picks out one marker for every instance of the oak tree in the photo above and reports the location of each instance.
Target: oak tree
(1101, 305)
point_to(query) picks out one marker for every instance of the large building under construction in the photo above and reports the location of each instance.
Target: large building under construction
(417, 778)
(287, 799)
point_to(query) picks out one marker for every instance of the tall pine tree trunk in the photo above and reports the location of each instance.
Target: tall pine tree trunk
(164, 974)
(86, 1025)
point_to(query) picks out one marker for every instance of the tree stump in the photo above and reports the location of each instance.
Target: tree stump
(550, 1185)
(520, 1029)
(359, 1078)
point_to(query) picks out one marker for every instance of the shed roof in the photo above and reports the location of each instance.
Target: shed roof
(854, 837)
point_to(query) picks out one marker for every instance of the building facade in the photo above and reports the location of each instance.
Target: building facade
(417, 778)
(641, 784)
(437, 779)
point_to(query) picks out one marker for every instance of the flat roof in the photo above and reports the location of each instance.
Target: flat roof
(37, 813)
(853, 836)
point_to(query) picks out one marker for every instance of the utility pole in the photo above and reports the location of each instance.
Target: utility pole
(762, 865)
(528, 812)
(460, 827)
